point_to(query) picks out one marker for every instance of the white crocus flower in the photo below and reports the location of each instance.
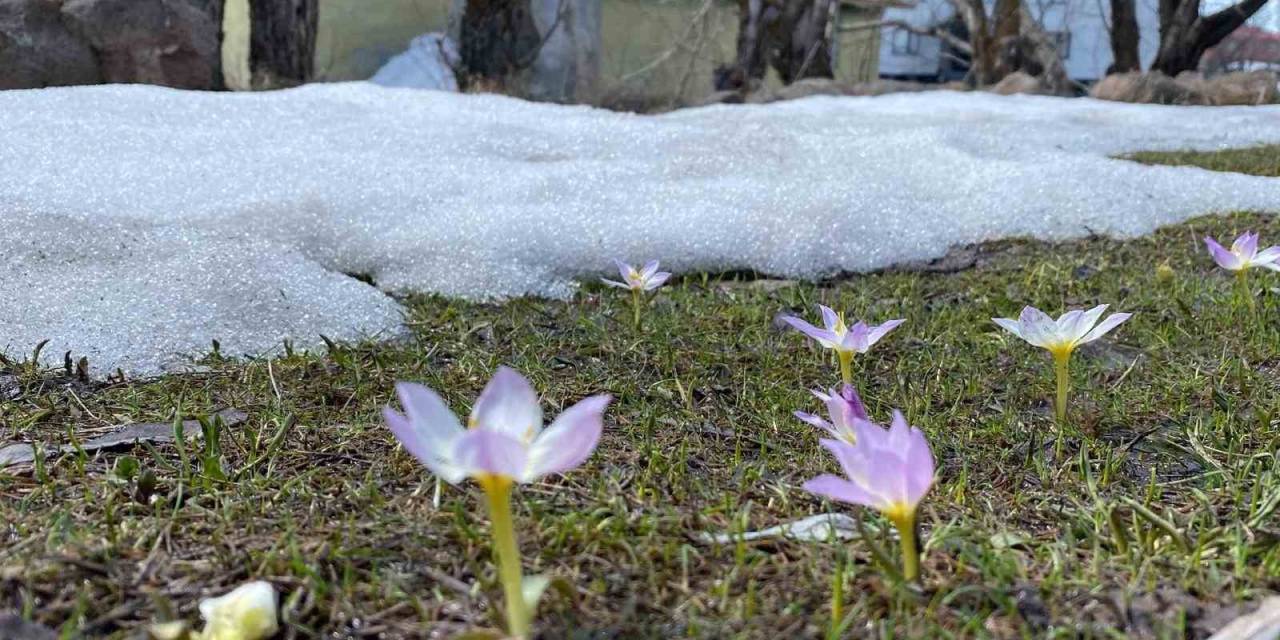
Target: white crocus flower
(1061, 337)
(246, 613)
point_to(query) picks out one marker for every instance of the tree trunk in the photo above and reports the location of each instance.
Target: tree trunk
(1124, 37)
(748, 65)
(982, 44)
(497, 38)
(216, 9)
(1006, 24)
(282, 42)
(1044, 56)
(810, 54)
(792, 36)
(1010, 40)
(1185, 35)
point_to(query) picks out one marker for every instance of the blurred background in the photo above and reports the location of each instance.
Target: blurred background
(654, 55)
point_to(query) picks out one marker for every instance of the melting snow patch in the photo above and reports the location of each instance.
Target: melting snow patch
(142, 223)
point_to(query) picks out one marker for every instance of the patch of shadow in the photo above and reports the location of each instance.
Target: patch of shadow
(1151, 614)
(1111, 357)
(548, 157)
(956, 259)
(1148, 453)
(366, 278)
(1270, 370)
(14, 628)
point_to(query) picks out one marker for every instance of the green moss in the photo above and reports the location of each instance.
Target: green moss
(1259, 161)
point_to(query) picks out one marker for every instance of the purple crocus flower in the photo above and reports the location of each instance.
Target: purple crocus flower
(504, 443)
(889, 470)
(843, 407)
(1243, 254)
(646, 278)
(505, 435)
(844, 340)
(856, 339)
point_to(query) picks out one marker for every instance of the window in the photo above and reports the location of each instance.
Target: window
(904, 42)
(1062, 41)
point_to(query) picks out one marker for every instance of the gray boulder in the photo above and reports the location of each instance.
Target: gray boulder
(175, 43)
(1242, 88)
(1190, 88)
(37, 50)
(1018, 82)
(1146, 88)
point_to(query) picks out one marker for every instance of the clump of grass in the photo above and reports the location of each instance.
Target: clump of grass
(1160, 514)
(1259, 161)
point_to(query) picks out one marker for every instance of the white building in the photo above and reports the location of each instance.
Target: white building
(1081, 27)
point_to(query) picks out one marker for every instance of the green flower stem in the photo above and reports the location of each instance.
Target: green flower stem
(1061, 362)
(636, 302)
(837, 600)
(906, 525)
(497, 491)
(1242, 287)
(846, 366)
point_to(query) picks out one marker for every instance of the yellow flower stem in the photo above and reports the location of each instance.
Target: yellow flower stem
(906, 524)
(636, 301)
(1061, 362)
(497, 491)
(846, 366)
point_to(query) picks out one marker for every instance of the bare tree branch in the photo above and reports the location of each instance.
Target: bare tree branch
(1220, 24)
(931, 32)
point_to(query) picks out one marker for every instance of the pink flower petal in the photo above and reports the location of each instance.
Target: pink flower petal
(855, 339)
(879, 332)
(433, 452)
(840, 490)
(508, 405)
(825, 338)
(1010, 325)
(813, 419)
(1223, 257)
(1245, 246)
(1270, 254)
(484, 451)
(830, 319)
(657, 280)
(919, 467)
(624, 269)
(1037, 327)
(427, 410)
(569, 440)
(1105, 326)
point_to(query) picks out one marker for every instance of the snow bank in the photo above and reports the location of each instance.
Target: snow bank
(142, 223)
